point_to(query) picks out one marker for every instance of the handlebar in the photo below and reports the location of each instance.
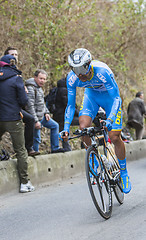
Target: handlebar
(89, 131)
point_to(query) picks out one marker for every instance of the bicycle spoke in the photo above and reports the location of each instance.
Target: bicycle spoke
(98, 184)
(102, 199)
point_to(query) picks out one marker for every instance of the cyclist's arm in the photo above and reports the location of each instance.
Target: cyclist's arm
(70, 109)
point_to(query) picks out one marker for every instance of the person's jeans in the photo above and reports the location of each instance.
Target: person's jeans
(54, 134)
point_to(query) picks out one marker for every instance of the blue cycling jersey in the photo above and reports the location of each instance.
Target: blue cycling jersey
(101, 90)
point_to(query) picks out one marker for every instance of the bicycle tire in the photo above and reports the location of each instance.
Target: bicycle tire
(100, 190)
(118, 192)
(114, 169)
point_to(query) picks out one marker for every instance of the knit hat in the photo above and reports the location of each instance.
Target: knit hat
(10, 59)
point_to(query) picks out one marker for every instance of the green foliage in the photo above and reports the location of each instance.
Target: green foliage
(45, 31)
(40, 27)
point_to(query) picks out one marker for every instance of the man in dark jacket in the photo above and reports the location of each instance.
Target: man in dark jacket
(28, 119)
(12, 98)
(136, 111)
(60, 106)
(61, 103)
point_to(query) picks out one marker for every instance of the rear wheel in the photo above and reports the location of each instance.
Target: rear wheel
(98, 183)
(118, 191)
(114, 172)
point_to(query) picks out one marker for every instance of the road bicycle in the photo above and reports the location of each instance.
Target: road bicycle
(102, 169)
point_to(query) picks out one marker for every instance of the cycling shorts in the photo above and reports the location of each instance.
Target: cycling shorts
(92, 100)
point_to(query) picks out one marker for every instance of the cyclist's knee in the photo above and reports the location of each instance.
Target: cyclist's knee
(85, 121)
(115, 138)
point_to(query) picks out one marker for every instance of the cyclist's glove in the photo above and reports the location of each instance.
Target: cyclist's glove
(61, 134)
(109, 124)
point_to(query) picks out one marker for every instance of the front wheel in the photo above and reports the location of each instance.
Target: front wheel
(98, 183)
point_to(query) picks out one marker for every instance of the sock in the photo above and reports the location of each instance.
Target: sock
(122, 164)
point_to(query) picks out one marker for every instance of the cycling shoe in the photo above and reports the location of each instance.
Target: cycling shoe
(126, 184)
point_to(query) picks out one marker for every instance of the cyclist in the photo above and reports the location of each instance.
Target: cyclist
(101, 90)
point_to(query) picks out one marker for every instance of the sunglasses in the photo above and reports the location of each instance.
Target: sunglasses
(83, 70)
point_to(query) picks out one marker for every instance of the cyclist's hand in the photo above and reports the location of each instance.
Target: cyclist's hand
(63, 135)
(108, 125)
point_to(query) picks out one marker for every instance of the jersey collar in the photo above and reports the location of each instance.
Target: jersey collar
(92, 73)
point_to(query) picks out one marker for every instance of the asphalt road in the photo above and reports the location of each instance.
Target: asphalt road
(65, 212)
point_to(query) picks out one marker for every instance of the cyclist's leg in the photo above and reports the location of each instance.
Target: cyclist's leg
(88, 111)
(115, 136)
(85, 121)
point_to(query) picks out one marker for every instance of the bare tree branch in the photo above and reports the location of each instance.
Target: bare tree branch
(2, 1)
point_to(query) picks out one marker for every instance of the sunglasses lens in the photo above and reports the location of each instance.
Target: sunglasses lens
(83, 70)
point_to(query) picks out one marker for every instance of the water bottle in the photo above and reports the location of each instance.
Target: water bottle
(106, 162)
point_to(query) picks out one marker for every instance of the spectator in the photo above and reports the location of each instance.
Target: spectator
(136, 111)
(12, 51)
(60, 106)
(36, 106)
(12, 98)
(28, 119)
(61, 103)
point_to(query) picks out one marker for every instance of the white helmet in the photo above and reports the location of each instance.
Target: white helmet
(79, 61)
